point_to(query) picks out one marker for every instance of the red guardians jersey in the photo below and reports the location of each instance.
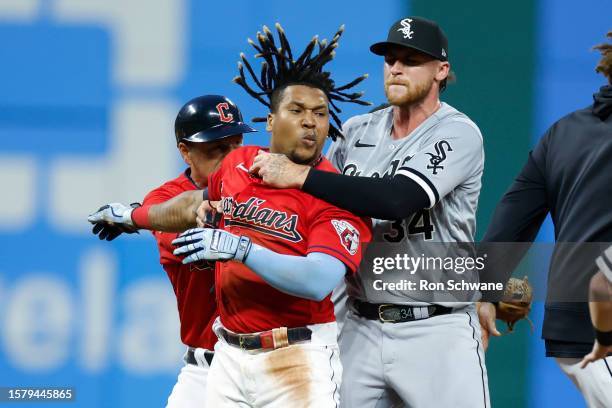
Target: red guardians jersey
(286, 221)
(193, 284)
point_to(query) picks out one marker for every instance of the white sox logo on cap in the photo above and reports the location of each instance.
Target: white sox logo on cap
(349, 236)
(406, 29)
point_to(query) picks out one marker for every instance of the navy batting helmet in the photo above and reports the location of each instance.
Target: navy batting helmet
(207, 118)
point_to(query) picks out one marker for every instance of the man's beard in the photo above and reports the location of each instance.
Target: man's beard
(294, 157)
(414, 93)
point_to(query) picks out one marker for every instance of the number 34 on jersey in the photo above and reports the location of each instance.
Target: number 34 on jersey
(420, 223)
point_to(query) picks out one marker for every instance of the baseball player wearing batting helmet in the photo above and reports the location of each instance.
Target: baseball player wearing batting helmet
(416, 167)
(207, 128)
(285, 250)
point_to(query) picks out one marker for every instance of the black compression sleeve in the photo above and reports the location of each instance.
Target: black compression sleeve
(383, 198)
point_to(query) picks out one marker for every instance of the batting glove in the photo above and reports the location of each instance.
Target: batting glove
(206, 244)
(112, 220)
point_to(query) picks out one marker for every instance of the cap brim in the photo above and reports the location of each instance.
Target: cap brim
(380, 48)
(220, 132)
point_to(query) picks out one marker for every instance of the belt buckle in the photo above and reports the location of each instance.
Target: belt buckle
(380, 314)
(241, 342)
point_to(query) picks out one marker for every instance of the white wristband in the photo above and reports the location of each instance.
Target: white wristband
(244, 247)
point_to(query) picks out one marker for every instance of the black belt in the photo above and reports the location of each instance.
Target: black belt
(391, 313)
(271, 339)
(190, 357)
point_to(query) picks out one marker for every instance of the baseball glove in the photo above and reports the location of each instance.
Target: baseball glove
(516, 303)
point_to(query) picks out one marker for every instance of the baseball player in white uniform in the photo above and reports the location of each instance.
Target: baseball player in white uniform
(376, 354)
(596, 367)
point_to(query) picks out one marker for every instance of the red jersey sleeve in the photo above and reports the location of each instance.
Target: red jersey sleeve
(339, 233)
(164, 239)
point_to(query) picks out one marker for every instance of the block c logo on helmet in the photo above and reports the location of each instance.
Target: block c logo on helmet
(223, 117)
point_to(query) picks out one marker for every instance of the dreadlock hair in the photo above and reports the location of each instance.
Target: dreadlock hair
(279, 70)
(605, 64)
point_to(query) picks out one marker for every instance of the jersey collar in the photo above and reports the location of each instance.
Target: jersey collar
(187, 174)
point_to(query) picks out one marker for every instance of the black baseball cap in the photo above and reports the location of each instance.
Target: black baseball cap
(417, 33)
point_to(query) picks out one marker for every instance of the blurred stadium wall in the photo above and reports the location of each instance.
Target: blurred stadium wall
(88, 95)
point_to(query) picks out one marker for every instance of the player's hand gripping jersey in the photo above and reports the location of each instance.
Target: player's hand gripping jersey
(289, 222)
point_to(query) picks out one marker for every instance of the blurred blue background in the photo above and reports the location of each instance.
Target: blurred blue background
(88, 95)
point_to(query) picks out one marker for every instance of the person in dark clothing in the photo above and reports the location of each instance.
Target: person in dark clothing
(569, 175)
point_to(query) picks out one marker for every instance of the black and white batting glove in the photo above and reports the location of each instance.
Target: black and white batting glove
(206, 244)
(112, 220)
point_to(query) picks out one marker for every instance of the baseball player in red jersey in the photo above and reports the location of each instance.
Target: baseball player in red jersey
(207, 129)
(284, 252)
(286, 222)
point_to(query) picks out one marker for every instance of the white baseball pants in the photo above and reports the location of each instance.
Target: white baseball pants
(307, 374)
